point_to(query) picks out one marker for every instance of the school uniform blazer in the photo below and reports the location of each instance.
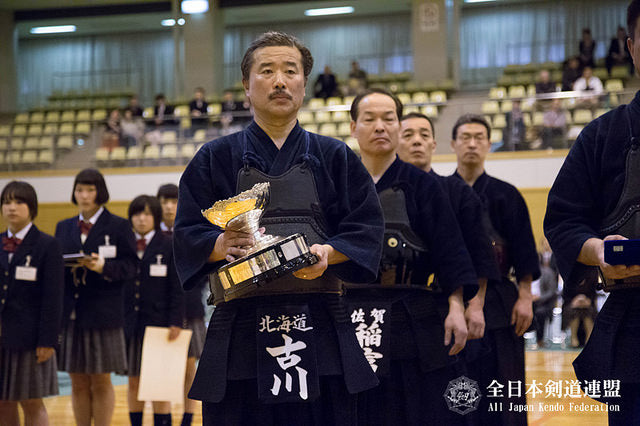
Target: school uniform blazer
(193, 305)
(31, 311)
(157, 301)
(98, 303)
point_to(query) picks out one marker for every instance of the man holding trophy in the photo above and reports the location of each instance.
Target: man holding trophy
(278, 217)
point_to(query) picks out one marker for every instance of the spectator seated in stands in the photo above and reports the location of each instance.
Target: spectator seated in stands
(544, 85)
(198, 110)
(326, 85)
(590, 84)
(570, 73)
(234, 114)
(554, 125)
(357, 79)
(134, 106)
(587, 49)
(515, 133)
(112, 131)
(132, 129)
(619, 52)
(163, 113)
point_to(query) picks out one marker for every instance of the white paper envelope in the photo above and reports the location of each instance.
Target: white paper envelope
(163, 365)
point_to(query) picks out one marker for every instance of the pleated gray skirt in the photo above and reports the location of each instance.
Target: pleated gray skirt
(92, 351)
(134, 355)
(197, 338)
(21, 377)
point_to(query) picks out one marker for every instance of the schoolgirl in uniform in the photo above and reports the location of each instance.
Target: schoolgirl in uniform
(153, 298)
(194, 306)
(93, 343)
(31, 289)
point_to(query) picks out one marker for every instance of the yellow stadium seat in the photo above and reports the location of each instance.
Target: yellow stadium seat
(526, 118)
(348, 100)
(322, 117)
(3, 159)
(68, 115)
(499, 121)
(410, 109)
(19, 130)
(181, 111)
(438, 96)
(420, 98)
(102, 154)
(83, 115)
(52, 117)
(599, 112)
(497, 93)
(29, 157)
(582, 116)
(169, 151)
(152, 152)
(316, 103)
(329, 129)
(46, 157)
(187, 151)
(37, 117)
(340, 116)
(147, 112)
(353, 144)
(82, 129)
(517, 92)
(430, 111)
(405, 98)
(22, 117)
(614, 85)
(214, 109)
(99, 115)
(312, 128)
(119, 153)
(305, 117)
(200, 135)
(333, 101)
(65, 142)
(344, 129)
(538, 118)
(185, 123)
(50, 129)
(5, 130)
(32, 142)
(17, 142)
(620, 71)
(506, 106)
(496, 135)
(14, 157)
(169, 136)
(489, 107)
(46, 142)
(66, 128)
(134, 153)
(531, 90)
(574, 132)
(4, 144)
(35, 130)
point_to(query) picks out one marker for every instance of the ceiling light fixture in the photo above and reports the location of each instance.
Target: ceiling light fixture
(53, 29)
(194, 6)
(329, 11)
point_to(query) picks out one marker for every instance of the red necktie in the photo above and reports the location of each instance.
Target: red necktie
(141, 244)
(10, 244)
(85, 227)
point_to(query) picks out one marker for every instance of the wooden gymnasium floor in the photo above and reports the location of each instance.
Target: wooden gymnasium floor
(541, 365)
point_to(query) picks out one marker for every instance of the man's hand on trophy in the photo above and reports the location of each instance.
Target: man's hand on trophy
(322, 252)
(230, 245)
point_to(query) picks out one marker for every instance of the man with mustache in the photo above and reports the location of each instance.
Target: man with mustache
(285, 353)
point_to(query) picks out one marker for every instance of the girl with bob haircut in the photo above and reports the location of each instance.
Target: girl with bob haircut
(154, 298)
(30, 309)
(93, 343)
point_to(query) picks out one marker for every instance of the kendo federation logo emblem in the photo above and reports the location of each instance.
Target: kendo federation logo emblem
(462, 395)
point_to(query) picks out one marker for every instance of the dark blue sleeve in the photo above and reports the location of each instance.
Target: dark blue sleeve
(520, 240)
(194, 237)
(572, 207)
(359, 227)
(439, 227)
(176, 294)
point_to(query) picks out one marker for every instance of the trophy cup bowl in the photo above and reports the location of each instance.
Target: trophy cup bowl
(269, 258)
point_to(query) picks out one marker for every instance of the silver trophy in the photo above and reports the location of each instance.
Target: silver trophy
(270, 257)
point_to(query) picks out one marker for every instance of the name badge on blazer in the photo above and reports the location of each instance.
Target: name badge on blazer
(107, 251)
(158, 269)
(26, 272)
